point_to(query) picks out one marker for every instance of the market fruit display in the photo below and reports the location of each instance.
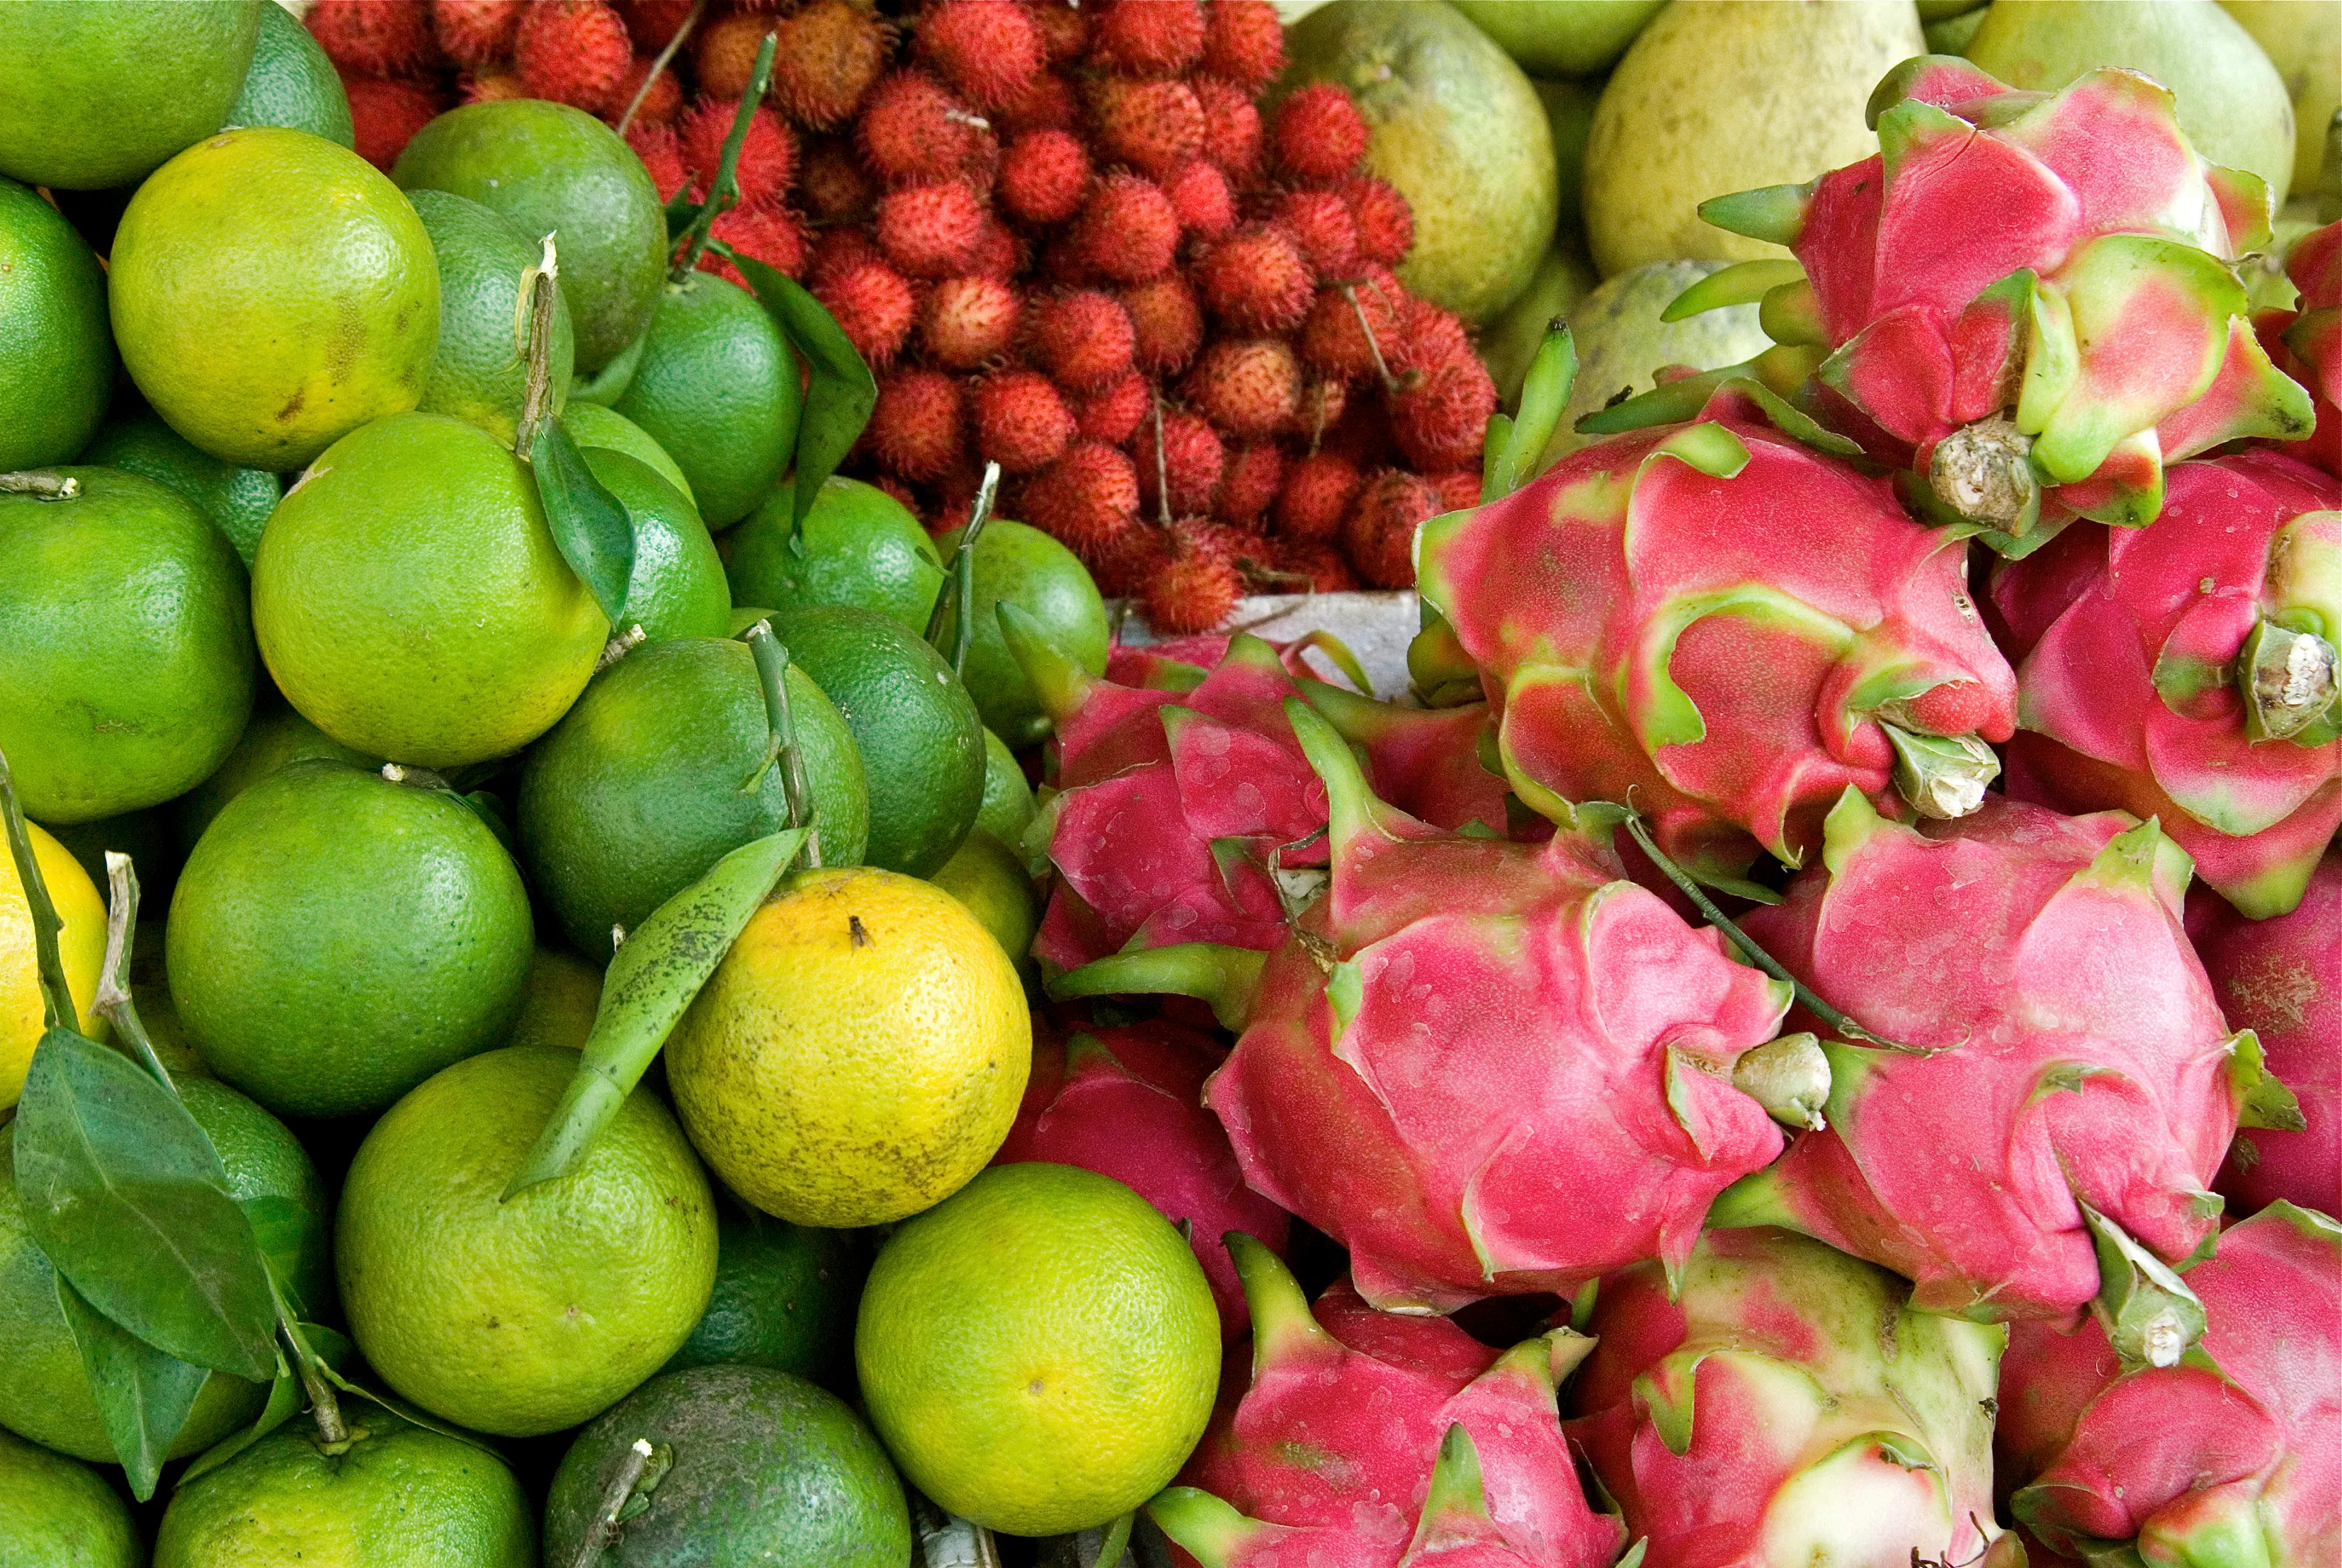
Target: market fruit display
(1170, 783)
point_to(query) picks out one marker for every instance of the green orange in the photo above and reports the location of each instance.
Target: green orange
(1023, 566)
(269, 741)
(784, 1297)
(479, 369)
(293, 83)
(58, 1514)
(94, 93)
(592, 425)
(55, 342)
(717, 388)
(676, 588)
(857, 546)
(237, 500)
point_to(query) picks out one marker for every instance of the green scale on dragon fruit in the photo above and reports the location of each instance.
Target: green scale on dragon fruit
(2186, 672)
(2027, 303)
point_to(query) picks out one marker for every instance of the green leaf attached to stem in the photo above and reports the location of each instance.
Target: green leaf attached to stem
(772, 658)
(724, 190)
(951, 626)
(593, 531)
(841, 392)
(143, 1395)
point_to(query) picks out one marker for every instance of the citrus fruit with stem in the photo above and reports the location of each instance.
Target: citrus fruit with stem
(337, 938)
(237, 500)
(857, 546)
(479, 369)
(96, 93)
(129, 669)
(592, 425)
(270, 293)
(55, 338)
(1039, 1351)
(857, 1056)
(58, 1514)
(677, 586)
(410, 600)
(717, 388)
(293, 83)
(520, 1315)
(784, 1297)
(638, 790)
(1007, 808)
(81, 943)
(1023, 566)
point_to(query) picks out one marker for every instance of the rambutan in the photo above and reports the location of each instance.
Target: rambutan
(1321, 223)
(1317, 497)
(832, 182)
(1199, 195)
(1083, 338)
(1386, 223)
(659, 106)
(912, 130)
(1231, 128)
(1166, 325)
(1193, 591)
(1128, 229)
(1440, 415)
(1047, 104)
(724, 53)
(989, 51)
(573, 52)
(1127, 558)
(1256, 280)
(955, 498)
(1244, 42)
(930, 231)
(828, 58)
(1319, 133)
(1429, 337)
(1064, 29)
(997, 254)
(1190, 463)
(1459, 488)
(384, 116)
(661, 151)
(476, 33)
(1114, 414)
(915, 429)
(373, 37)
(1379, 534)
(1336, 337)
(1248, 485)
(1147, 38)
(1043, 176)
(874, 306)
(836, 252)
(1021, 421)
(489, 85)
(768, 153)
(969, 320)
(1153, 126)
(652, 23)
(1318, 565)
(770, 235)
(1084, 497)
(1323, 404)
(1249, 387)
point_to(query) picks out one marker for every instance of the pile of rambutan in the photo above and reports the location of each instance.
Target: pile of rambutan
(1066, 239)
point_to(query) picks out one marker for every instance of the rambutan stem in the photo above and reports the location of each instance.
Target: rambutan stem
(539, 296)
(1390, 382)
(1162, 468)
(724, 190)
(661, 61)
(41, 486)
(772, 657)
(48, 962)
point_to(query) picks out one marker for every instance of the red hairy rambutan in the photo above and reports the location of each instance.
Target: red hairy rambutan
(989, 51)
(652, 23)
(1084, 497)
(832, 182)
(1440, 415)
(1064, 29)
(661, 151)
(1083, 338)
(1043, 175)
(1318, 563)
(1193, 591)
(1244, 42)
(724, 53)
(955, 495)
(836, 252)
(1249, 485)
(1231, 128)
(659, 106)
(770, 235)
(1147, 38)
(1256, 280)
(573, 52)
(969, 320)
(1127, 558)
(997, 254)
(373, 37)
(874, 306)
(1249, 387)
(914, 428)
(769, 154)
(1128, 230)
(1020, 420)
(489, 85)
(1386, 223)
(1114, 414)
(1429, 337)
(1319, 133)
(826, 59)
(1379, 534)
(1323, 404)
(912, 129)
(1153, 126)
(1047, 104)
(1199, 195)
(1459, 488)
(1321, 223)
(1317, 497)
(384, 116)
(1334, 336)
(930, 231)
(1190, 463)
(1166, 325)
(476, 32)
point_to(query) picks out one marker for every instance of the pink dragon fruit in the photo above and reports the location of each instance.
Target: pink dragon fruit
(1780, 1404)
(2063, 1086)
(1496, 1030)
(1729, 627)
(2233, 1458)
(2307, 342)
(1367, 1440)
(2029, 302)
(1128, 1104)
(2282, 979)
(2186, 672)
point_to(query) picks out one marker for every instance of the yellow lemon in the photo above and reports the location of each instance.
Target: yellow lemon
(82, 943)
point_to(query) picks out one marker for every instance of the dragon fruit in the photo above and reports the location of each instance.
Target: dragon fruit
(1497, 1030)
(2061, 1088)
(2307, 342)
(2282, 979)
(2029, 302)
(2231, 1459)
(1367, 1438)
(1729, 626)
(1779, 1404)
(2186, 672)
(1128, 1103)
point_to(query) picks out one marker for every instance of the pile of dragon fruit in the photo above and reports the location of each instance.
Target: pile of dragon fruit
(1838, 963)
(1067, 240)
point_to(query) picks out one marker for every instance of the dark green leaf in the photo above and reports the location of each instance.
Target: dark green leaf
(659, 969)
(143, 1395)
(124, 1193)
(282, 1227)
(285, 1399)
(609, 384)
(842, 392)
(594, 534)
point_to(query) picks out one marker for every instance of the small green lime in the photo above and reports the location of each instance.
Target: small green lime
(676, 588)
(337, 938)
(293, 83)
(767, 1469)
(922, 743)
(1023, 566)
(564, 992)
(553, 169)
(638, 790)
(592, 425)
(990, 879)
(272, 1177)
(96, 93)
(399, 1496)
(858, 546)
(270, 741)
(717, 388)
(479, 370)
(1007, 808)
(56, 1513)
(784, 1297)
(237, 500)
(112, 699)
(55, 340)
